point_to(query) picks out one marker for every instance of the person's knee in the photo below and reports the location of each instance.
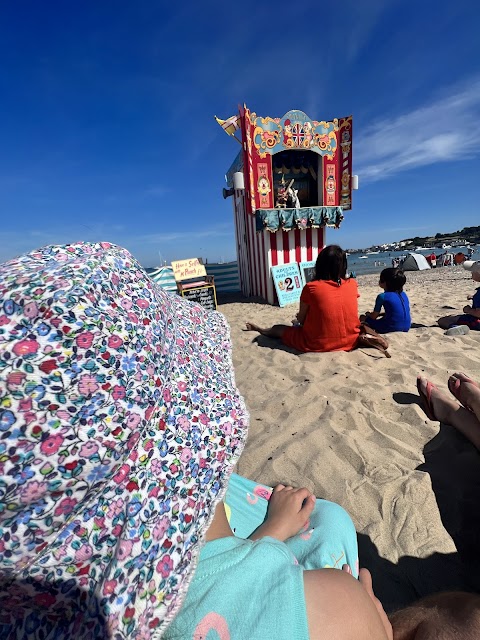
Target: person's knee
(333, 513)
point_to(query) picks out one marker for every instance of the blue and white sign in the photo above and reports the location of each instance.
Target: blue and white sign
(288, 283)
(307, 271)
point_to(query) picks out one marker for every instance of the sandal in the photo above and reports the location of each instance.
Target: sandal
(454, 387)
(375, 341)
(426, 397)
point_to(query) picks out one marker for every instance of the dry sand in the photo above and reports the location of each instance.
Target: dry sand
(349, 427)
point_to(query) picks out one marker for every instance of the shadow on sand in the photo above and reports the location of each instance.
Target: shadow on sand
(454, 468)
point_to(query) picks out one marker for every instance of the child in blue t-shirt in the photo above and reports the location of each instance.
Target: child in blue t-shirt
(396, 314)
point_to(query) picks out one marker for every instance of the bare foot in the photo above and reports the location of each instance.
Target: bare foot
(288, 512)
(252, 327)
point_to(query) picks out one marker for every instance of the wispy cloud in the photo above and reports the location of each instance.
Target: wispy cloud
(219, 231)
(446, 129)
(143, 246)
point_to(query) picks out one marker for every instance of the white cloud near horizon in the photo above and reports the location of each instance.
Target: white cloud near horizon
(14, 243)
(445, 129)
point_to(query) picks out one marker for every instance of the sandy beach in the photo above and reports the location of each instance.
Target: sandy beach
(349, 427)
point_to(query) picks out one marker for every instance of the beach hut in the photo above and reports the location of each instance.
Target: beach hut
(415, 262)
(290, 180)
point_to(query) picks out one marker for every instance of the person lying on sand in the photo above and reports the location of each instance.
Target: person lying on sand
(464, 415)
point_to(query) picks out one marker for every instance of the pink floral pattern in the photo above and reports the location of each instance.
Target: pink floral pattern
(120, 423)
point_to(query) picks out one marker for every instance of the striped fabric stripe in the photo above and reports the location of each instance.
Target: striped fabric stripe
(163, 277)
(226, 276)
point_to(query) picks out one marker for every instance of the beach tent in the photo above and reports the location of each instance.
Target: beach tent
(415, 262)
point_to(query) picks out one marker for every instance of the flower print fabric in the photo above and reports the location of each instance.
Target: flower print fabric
(120, 423)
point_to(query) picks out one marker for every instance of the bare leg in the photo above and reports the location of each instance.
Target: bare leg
(329, 593)
(446, 322)
(448, 411)
(276, 331)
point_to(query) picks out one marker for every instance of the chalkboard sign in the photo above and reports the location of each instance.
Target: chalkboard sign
(307, 269)
(205, 296)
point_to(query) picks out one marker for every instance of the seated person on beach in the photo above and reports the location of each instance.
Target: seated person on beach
(328, 316)
(396, 314)
(471, 313)
(121, 424)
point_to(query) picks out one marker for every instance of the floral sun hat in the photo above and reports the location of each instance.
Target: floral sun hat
(120, 423)
(472, 265)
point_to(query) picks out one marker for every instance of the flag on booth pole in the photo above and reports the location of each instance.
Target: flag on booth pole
(230, 125)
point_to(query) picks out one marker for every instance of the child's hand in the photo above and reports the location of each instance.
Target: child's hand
(467, 308)
(288, 512)
(469, 297)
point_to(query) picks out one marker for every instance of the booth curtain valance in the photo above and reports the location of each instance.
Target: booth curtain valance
(302, 218)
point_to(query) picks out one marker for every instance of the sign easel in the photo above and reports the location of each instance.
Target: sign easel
(194, 284)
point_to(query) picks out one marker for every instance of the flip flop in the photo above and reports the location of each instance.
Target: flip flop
(377, 342)
(454, 387)
(426, 397)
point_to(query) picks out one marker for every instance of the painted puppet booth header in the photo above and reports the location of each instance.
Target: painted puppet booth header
(294, 162)
(290, 180)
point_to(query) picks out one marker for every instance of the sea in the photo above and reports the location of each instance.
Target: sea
(374, 262)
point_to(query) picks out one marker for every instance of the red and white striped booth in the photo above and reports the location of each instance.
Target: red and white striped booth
(315, 159)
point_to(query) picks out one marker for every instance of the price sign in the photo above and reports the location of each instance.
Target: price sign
(307, 269)
(288, 283)
(204, 296)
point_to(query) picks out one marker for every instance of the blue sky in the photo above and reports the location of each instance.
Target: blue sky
(107, 129)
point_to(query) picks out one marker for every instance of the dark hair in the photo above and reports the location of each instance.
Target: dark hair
(331, 264)
(441, 615)
(394, 279)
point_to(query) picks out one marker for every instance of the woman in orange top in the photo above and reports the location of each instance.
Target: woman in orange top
(328, 316)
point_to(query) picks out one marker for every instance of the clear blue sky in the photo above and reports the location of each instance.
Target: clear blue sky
(107, 129)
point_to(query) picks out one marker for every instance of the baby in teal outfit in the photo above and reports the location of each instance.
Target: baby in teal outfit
(256, 579)
(118, 467)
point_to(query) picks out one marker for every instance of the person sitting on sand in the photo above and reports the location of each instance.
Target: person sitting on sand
(121, 424)
(328, 316)
(470, 319)
(464, 415)
(394, 300)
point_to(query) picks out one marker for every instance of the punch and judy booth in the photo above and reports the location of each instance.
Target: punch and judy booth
(290, 180)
